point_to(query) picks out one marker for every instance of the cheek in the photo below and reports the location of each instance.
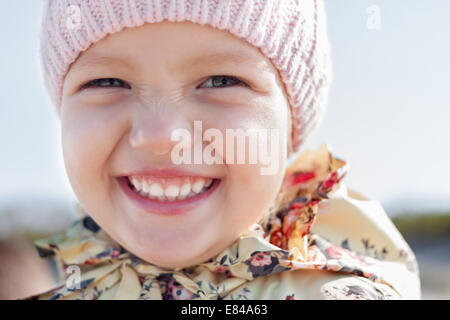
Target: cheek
(252, 188)
(250, 195)
(89, 135)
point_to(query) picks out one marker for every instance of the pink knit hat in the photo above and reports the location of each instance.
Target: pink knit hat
(291, 33)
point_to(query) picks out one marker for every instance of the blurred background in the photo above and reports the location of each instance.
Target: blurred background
(388, 117)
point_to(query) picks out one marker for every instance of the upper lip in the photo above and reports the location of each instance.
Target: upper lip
(167, 173)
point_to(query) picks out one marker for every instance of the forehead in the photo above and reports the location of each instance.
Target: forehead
(183, 46)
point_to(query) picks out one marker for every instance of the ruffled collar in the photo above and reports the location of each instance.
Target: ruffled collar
(280, 242)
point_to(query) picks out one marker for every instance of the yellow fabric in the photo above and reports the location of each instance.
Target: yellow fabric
(319, 241)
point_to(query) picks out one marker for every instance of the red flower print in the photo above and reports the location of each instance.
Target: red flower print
(303, 177)
(298, 205)
(334, 252)
(90, 261)
(276, 238)
(224, 270)
(260, 259)
(115, 254)
(328, 183)
(220, 269)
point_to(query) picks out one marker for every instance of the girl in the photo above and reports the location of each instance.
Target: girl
(126, 77)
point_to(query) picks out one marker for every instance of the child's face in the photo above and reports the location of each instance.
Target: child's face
(113, 129)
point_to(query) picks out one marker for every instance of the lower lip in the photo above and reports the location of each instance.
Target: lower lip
(167, 208)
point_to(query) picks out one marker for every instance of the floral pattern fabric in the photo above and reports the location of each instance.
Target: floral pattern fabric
(319, 240)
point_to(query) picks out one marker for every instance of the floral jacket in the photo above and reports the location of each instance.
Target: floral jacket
(320, 240)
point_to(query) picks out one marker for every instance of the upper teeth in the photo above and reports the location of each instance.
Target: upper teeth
(169, 188)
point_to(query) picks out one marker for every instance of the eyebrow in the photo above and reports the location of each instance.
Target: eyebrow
(196, 62)
(217, 58)
(97, 60)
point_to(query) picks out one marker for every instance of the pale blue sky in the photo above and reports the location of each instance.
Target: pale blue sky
(388, 111)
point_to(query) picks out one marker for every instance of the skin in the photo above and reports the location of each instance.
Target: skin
(110, 131)
(22, 272)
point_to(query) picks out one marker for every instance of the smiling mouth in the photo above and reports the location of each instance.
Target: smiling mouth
(170, 189)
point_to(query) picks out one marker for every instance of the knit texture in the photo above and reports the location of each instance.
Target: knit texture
(291, 33)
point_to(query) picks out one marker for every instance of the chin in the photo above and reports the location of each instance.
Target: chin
(171, 254)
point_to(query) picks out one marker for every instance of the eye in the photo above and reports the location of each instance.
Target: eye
(221, 81)
(106, 83)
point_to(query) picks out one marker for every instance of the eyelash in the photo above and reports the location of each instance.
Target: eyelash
(114, 83)
(105, 83)
(238, 81)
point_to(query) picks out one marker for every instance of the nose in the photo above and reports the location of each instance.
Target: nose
(154, 123)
